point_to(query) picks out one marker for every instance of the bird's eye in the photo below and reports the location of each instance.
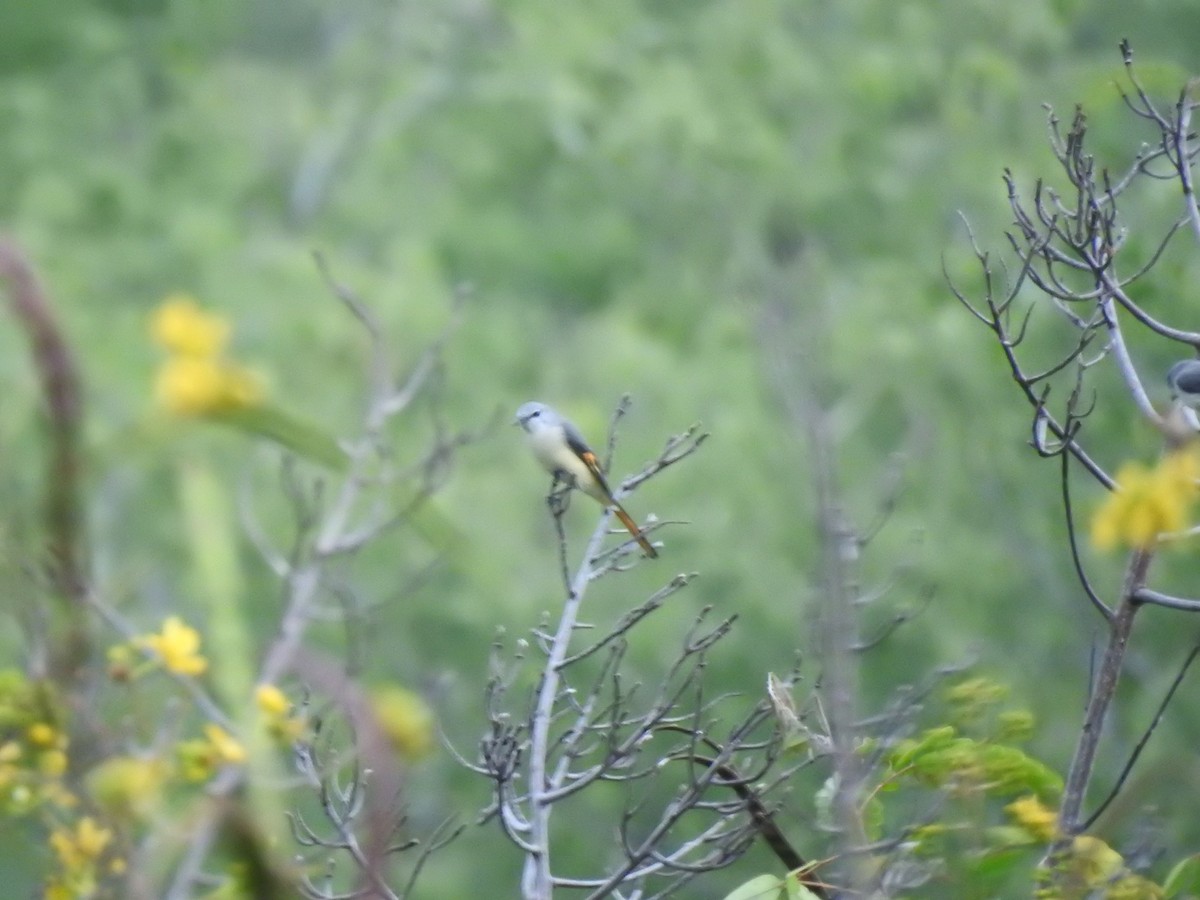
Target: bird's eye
(535, 414)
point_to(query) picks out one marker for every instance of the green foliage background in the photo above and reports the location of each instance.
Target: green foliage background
(622, 184)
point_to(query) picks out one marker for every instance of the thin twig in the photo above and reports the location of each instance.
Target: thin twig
(1145, 738)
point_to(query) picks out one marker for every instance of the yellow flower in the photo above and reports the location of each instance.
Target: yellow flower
(197, 386)
(181, 327)
(1147, 502)
(78, 851)
(228, 748)
(271, 700)
(405, 719)
(1094, 859)
(189, 386)
(1092, 868)
(177, 646)
(199, 759)
(42, 734)
(282, 722)
(1181, 470)
(1038, 820)
(79, 847)
(195, 380)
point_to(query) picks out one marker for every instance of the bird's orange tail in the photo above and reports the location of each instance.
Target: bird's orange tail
(628, 522)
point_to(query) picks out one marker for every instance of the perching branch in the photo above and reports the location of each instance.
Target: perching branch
(587, 727)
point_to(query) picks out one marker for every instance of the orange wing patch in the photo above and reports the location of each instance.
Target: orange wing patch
(593, 464)
(589, 459)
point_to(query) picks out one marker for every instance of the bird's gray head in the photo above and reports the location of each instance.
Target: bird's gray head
(1184, 381)
(533, 414)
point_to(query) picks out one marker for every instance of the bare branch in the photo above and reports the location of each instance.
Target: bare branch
(1145, 738)
(1158, 598)
(1073, 541)
(1102, 694)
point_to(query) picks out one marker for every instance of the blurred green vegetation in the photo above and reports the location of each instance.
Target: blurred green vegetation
(623, 185)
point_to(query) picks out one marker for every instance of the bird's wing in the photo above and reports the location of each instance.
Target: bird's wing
(1185, 376)
(580, 448)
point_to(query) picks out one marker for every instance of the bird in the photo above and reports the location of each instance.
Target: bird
(1183, 379)
(562, 451)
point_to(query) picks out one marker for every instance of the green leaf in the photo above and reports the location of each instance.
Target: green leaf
(302, 438)
(1005, 836)
(823, 801)
(796, 890)
(1184, 880)
(872, 818)
(764, 887)
(995, 868)
(1013, 771)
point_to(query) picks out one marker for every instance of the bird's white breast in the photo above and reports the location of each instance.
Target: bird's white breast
(549, 446)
